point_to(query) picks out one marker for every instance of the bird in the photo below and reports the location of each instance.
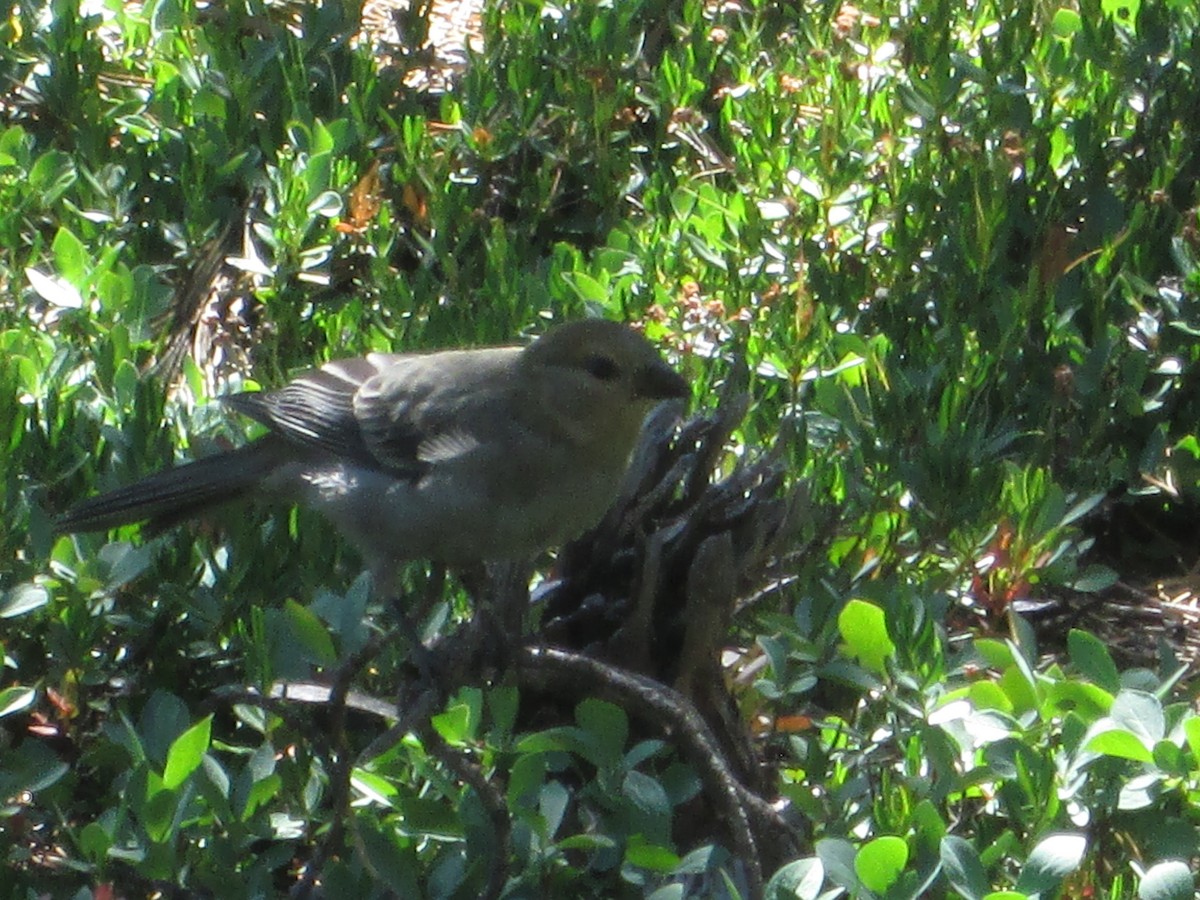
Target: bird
(460, 457)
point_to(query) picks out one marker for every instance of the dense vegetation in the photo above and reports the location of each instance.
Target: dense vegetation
(958, 245)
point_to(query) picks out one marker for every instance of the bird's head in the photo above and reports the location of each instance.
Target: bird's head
(602, 376)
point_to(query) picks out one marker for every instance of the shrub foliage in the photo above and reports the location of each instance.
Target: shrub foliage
(957, 246)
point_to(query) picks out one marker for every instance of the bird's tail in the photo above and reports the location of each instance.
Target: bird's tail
(168, 497)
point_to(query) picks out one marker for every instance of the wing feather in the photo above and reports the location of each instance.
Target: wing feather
(316, 409)
(400, 413)
(424, 410)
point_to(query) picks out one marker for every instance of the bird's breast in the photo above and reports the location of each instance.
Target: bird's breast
(460, 512)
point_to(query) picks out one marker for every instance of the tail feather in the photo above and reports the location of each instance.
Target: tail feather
(181, 492)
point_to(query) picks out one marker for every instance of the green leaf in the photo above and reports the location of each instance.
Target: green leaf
(1091, 658)
(705, 252)
(929, 826)
(996, 654)
(683, 201)
(1052, 860)
(1141, 792)
(587, 287)
(646, 793)
(800, 879)
(392, 857)
(429, 817)
(1171, 759)
(1124, 12)
(608, 727)
(1168, 880)
(650, 856)
(125, 383)
(186, 753)
(1094, 579)
(699, 860)
(1191, 729)
(879, 863)
(1121, 744)
(261, 792)
(213, 784)
(526, 777)
(30, 767)
(376, 788)
(1019, 687)
(155, 806)
(327, 204)
(963, 867)
(94, 843)
(311, 632)
(454, 724)
(195, 378)
(587, 842)
(503, 703)
(669, 892)
(23, 598)
(552, 804)
(55, 290)
(989, 695)
(863, 626)
(51, 175)
(1083, 507)
(16, 698)
(70, 258)
(1086, 700)
(1066, 23)
(642, 751)
(163, 719)
(1140, 713)
(126, 562)
(837, 857)
(1005, 845)
(559, 739)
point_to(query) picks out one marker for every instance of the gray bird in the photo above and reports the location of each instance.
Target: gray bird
(457, 456)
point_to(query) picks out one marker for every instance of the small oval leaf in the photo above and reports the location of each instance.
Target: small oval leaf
(863, 627)
(879, 863)
(186, 753)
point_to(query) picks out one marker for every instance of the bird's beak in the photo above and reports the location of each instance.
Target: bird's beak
(661, 382)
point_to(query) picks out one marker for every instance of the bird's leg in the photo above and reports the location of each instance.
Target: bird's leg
(510, 583)
(487, 645)
(431, 674)
(500, 592)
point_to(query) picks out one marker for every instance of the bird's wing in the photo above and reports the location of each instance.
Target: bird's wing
(424, 410)
(397, 412)
(316, 409)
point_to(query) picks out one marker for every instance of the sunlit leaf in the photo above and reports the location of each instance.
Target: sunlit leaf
(880, 862)
(1168, 880)
(186, 753)
(16, 698)
(1053, 859)
(22, 599)
(863, 627)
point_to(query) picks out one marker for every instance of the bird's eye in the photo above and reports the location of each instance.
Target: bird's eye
(601, 367)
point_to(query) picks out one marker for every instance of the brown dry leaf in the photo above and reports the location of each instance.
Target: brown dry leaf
(805, 308)
(64, 706)
(366, 199)
(793, 724)
(415, 202)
